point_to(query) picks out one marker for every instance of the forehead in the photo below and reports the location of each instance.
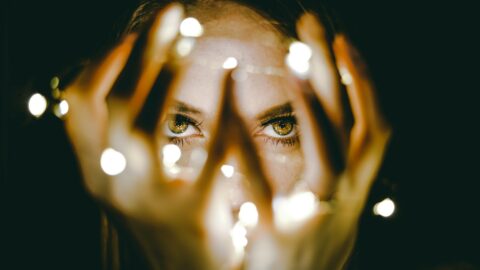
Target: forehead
(259, 51)
(201, 78)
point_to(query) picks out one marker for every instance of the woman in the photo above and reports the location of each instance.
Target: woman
(295, 173)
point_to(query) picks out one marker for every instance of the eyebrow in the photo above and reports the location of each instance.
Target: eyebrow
(185, 108)
(274, 112)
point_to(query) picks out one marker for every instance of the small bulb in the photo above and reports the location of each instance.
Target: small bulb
(185, 46)
(230, 63)
(239, 236)
(298, 58)
(300, 50)
(384, 208)
(54, 82)
(248, 214)
(61, 109)
(191, 27)
(227, 170)
(295, 209)
(37, 104)
(345, 76)
(113, 162)
(171, 154)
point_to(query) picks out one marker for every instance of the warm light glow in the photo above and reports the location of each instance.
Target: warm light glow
(227, 170)
(191, 27)
(171, 154)
(37, 104)
(248, 215)
(54, 82)
(298, 58)
(184, 46)
(239, 236)
(384, 208)
(113, 162)
(295, 209)
(346, 77)
(230, 63)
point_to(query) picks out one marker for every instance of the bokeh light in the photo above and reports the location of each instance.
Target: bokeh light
(191, 27)
(248, 214)
(385, 208)
(293, 210)
(230, 63)
(37, 104)
(298, 58)
(227, 170)
(113, 162)
(171, 154)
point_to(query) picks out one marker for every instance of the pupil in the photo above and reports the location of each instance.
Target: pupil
(177, 125)
(282, 128)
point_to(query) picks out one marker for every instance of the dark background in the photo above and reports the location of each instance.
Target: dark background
(421, 57)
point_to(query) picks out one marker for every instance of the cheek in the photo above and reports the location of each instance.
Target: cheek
(283, 169)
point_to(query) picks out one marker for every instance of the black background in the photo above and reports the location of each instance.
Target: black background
(421, 57)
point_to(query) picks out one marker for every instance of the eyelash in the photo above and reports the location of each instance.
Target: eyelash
(287, 141)
(182, 140)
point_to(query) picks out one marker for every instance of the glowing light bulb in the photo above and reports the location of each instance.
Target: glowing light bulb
(384, 208)
(54, 82)
(294, 210)
(37, 104)
(61, 109)
(248, 215)
(230, 63)
(113, 162)
(191, 27)
(298, 58)
(185, 46)
(239, 236)
(345, 76)
(171, 154)
(227, 170)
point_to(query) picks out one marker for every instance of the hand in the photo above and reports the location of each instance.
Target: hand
(340, 171)
(171, 219)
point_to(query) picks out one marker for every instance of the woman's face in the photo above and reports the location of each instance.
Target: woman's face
(261, 96)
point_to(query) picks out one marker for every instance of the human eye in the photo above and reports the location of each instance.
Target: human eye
(280, 130)
(181, 129)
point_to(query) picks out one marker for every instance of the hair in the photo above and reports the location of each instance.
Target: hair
(119, 248)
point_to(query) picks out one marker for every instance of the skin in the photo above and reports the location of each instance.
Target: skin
(175, 219)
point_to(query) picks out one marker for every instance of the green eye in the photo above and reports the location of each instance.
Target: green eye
(178, 124)
(282, 127)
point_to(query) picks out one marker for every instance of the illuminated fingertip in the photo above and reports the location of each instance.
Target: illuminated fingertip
(385, 208)
(248, 215)
(191, 27)
(230, 63)
(171, 154)
(227, 170)
(112, 162)
(61, 109)
(37, 104)
(345, 76)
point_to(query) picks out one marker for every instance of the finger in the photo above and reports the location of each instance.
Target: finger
(367, 115)
(148, 57)
(323, 73)
(232, 136)
(323, 159)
